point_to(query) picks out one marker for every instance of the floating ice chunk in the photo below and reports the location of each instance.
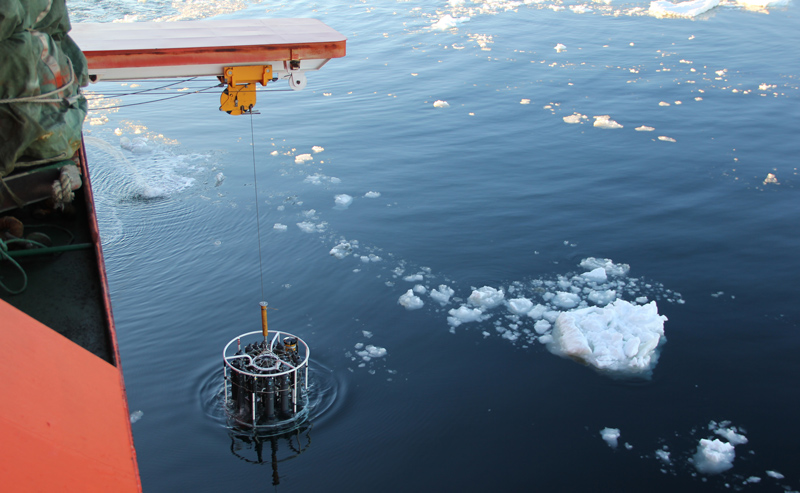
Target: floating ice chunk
(317, 149)
(753, 479)
(692, 8)
(455, 3)
(610, 267)
(372, 195)
(537, 312)
(641, 300)
(343, 200)
(371, 351)
(342, 250)
(524, 101)
(605, 121)
(464, 314)
(664, 138)
(663, 103)
(441, 104)
(520, 306)
(442, 294)
(280, 227)
(410, 301)
(713, 456)
(420, 289)
(775, 474)
(597, 274)
(307, 226)
(620, 338)
(610, 435)
(414, 278)
(447, 21)
(302, 158)
(563, 299)
(219, 179)
(486, 297)
(367, 334)
(771, 179)
(575, 118)
(559, 48)
(644, 128)
(602, 298)
(542, 326)
(580, 9)
(137, 415)
(729, 433)
(663, 455)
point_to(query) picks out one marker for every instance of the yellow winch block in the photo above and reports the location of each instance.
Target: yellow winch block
(240, 95)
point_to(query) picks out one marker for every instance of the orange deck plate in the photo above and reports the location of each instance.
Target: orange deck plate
(152, 44)
(64, 418)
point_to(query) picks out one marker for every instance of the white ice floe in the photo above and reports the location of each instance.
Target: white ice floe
(310, 227)
(280, 227)
(343, 201)
(411, 301)
(447, 21)
(420, 289)
(598, 274)
(520, 306)
(664, 138)
(302, 158)
(559, 48)
(611, 268)
(317, 149)
(620, 338)
(775, 474)
(137, 415)
(441, 104)
(692, 8)
(605, 121)
(644, 128)
(663, 455)
(611, 436)
(464, 314)
(219, 179)
(728, 432)
(565, 300)
(575, 118)
(369, 352)
(771, 179)
(442, 294)
(486, 297)
(713, 456)
(372, 195)
(342, 250)
(542, 326)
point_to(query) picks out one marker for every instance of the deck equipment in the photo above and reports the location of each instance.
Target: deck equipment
(240, 52)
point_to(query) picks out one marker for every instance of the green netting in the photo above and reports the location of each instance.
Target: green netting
(41, 72)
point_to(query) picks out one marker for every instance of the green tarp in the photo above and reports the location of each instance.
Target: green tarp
(41, 72)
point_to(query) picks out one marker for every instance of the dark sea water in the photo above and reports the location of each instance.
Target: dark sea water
(495, 190)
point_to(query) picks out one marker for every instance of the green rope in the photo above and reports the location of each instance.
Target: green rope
(4, 254)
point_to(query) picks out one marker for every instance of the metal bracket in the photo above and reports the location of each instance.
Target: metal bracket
(240, 95)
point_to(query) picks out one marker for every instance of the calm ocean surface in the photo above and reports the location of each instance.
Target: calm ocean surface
(497, 190)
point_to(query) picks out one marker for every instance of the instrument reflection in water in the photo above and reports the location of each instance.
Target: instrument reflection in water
(249, 447)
